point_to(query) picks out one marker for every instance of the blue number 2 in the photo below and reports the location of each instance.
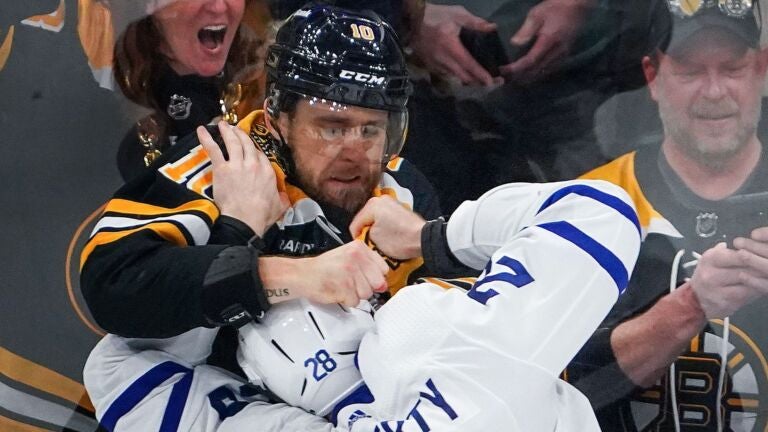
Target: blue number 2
(321, 360)
(517, 276)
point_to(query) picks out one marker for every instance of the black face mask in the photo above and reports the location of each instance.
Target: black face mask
(187, 101)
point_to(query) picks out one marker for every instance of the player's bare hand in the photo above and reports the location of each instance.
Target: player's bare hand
(345, 275)
(552, 26)
(726, 279)
(436, 42)
(394, 229)
(244, 183)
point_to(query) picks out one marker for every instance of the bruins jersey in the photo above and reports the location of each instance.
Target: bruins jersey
(143, 268)
(678, 226)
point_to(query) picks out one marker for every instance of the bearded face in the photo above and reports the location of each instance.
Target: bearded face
(338, 152)
(709, 96)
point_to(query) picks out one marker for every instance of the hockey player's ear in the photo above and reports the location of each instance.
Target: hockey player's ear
(762, 60)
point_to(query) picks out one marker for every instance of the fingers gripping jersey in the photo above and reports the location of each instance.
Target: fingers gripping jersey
(556, 257)
(144, 266)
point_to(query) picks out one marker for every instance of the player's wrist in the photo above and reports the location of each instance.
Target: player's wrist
(281, 278)
(256, 224)
(232, 293)
(412, 247)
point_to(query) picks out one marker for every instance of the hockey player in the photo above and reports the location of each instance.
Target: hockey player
(170, 256)
(555, 259)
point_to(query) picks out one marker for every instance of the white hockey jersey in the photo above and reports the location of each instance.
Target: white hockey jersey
(445, 360)
(555, 257)
(165, 385)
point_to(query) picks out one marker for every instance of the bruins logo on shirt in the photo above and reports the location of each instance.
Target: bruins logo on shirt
(697, 374)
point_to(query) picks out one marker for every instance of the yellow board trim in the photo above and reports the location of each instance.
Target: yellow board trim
(53, 21)
(97, 36)
(5, 48)
(68, 272)
(32, 374)
(11, 425)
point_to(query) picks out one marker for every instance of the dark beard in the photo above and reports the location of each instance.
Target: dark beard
(350, 200)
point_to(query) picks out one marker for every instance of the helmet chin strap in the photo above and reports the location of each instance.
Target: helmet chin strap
(280, 136)
(286, 153)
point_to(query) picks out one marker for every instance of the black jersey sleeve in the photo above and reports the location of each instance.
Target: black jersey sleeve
(161, 248)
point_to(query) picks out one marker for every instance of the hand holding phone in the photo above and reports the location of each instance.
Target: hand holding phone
(486, 48)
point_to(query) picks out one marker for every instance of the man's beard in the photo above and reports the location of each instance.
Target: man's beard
(349, 199)
(709, 151)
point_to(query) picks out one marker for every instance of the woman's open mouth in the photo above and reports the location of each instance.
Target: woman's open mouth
(212, 36)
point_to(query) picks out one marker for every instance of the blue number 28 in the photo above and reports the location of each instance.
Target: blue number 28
(321, 360)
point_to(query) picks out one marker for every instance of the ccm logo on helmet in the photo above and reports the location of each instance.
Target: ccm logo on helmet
(361, 77)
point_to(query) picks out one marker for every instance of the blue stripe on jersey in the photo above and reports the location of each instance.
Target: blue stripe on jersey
(176, 404)
(137, 391)
(588, 191)
(604, 257)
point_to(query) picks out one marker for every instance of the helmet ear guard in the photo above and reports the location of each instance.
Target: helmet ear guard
(305, 353)
(272, 109)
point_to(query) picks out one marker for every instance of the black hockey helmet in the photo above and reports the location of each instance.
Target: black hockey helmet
(340, 56)
(345, 56)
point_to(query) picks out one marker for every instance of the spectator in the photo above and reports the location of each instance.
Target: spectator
(684, 348)
(566, 58)
(177, 61)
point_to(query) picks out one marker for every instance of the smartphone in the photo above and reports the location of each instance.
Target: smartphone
(486, 48)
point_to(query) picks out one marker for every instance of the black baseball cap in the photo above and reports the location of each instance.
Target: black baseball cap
(682, 28)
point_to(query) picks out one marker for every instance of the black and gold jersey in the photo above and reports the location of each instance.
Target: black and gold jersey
(143, 268)
(678, 226)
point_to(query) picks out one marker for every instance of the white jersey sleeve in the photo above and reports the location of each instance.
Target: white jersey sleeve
(163, 384)
(561, 252)
(555, 258)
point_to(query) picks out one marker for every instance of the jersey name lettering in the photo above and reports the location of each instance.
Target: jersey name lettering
(416, 419)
